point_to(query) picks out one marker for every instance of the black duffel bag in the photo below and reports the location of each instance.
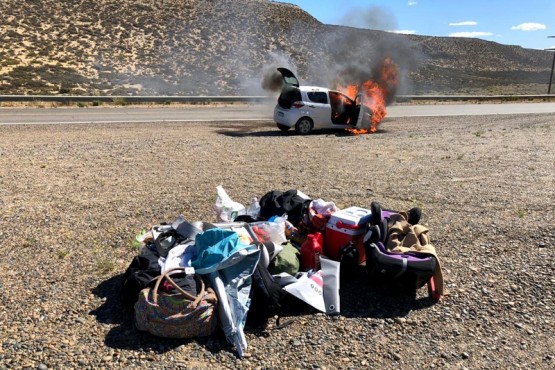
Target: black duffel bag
(141, 273)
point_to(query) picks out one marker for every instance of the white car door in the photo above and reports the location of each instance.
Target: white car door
(318, 105)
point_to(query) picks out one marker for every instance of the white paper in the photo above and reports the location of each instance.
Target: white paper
(309, 290)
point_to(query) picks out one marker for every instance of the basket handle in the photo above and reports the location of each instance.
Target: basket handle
(196, 300)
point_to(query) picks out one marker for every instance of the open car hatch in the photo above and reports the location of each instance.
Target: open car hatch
(289, 77)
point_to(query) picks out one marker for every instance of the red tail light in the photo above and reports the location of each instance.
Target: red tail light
(297, 104)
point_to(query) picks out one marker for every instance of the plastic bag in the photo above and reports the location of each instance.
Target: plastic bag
(272, 230)
(254, 208)
(226, 208)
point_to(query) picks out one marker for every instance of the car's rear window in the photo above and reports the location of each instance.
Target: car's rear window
(288, 95)
(291, 80)
(318, 97)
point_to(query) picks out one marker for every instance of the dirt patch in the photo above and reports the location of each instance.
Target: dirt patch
(73, 197)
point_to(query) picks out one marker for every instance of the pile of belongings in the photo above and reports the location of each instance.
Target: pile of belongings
(191, 277)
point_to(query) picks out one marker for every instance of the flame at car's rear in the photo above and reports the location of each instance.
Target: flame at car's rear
(376, 92)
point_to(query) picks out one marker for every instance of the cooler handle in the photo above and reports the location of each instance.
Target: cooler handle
(342, 225)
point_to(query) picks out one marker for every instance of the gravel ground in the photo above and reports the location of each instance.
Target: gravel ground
(73, 196)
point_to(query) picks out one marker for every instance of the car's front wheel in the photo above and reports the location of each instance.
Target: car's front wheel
(283, 128)
(304, 126)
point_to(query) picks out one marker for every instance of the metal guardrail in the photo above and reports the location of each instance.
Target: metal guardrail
(249, 99)
(401, 98)
(135, 99)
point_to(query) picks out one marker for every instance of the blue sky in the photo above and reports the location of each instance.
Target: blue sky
(527, 23)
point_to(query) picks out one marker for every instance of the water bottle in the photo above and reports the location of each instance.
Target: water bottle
(311, 250)
(254, 208)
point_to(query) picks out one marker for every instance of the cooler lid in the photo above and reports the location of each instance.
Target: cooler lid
(351, 216)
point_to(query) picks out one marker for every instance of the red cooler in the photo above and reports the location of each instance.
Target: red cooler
(344, 226)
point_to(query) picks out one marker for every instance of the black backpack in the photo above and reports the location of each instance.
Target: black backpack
(268, 298)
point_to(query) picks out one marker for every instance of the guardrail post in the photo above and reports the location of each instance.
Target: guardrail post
(551, 76)
(552, 65)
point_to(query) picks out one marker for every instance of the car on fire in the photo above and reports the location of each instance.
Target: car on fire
(305, 108)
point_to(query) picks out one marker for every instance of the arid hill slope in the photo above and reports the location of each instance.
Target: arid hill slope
(225, 47)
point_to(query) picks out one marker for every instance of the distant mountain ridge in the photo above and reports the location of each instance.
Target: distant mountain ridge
(226, 47)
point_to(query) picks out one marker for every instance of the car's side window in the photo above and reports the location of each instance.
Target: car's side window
(318, 97)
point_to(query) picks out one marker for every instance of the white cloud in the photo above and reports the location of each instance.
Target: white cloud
(470, 34)
(412, 2)
(465, 23)
(530, 26)
(404, 32)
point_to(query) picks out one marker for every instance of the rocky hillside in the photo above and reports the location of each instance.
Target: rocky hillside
(228, 47)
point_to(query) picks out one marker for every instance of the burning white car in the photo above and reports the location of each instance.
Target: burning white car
(310, 107)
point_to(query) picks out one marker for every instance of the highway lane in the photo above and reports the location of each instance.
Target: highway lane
(135, 114)
(239, 112)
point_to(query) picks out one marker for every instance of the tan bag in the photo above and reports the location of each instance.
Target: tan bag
(179, 315)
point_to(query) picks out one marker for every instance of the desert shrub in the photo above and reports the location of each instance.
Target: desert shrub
(12, 34)
(10, 62)
(64, 88)
(119, 101)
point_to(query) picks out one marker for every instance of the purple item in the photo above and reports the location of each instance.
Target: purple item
(405, 269)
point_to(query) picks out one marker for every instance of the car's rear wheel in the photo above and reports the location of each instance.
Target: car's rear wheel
(283, 127)
(304, 126)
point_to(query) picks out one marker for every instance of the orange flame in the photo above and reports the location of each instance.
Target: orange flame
(374, 93)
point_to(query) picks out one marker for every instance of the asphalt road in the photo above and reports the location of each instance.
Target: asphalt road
(255, 112)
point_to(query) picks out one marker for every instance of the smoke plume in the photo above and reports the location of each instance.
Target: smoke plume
(373, 18)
